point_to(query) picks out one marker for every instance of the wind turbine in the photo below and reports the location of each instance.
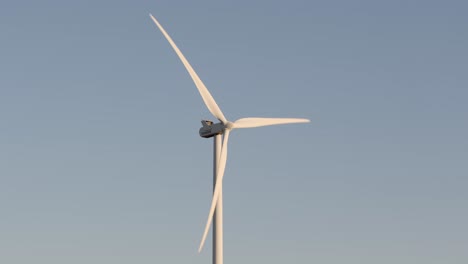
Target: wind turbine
(223, 128)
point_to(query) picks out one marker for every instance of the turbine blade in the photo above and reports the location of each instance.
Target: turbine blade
(258, 121)
(218, 186)
(205, 94)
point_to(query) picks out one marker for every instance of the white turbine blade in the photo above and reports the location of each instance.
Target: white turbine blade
(205, 94)
(218, 186)
(258, 121)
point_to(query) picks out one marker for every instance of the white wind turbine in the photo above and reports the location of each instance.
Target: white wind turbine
(209, 129)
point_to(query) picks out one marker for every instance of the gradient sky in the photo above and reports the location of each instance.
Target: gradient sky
(101, 161)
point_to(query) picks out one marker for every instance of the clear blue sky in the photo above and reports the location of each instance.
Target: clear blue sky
(101, 162)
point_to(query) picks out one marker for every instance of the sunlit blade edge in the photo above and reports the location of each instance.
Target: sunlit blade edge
(259, 121)
(218, 187)
(205, 94)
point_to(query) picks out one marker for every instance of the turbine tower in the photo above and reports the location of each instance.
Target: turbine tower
(220, 132)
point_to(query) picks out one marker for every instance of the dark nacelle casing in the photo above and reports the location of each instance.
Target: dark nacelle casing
(210, 130)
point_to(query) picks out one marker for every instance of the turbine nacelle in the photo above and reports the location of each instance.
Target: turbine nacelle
(209, 129)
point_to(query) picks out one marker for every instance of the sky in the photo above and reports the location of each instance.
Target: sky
(101, 161)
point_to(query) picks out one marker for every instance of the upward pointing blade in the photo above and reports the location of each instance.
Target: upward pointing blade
(218, 186)
(205, 94)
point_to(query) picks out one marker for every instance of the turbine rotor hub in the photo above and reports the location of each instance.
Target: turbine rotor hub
(229, 125)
